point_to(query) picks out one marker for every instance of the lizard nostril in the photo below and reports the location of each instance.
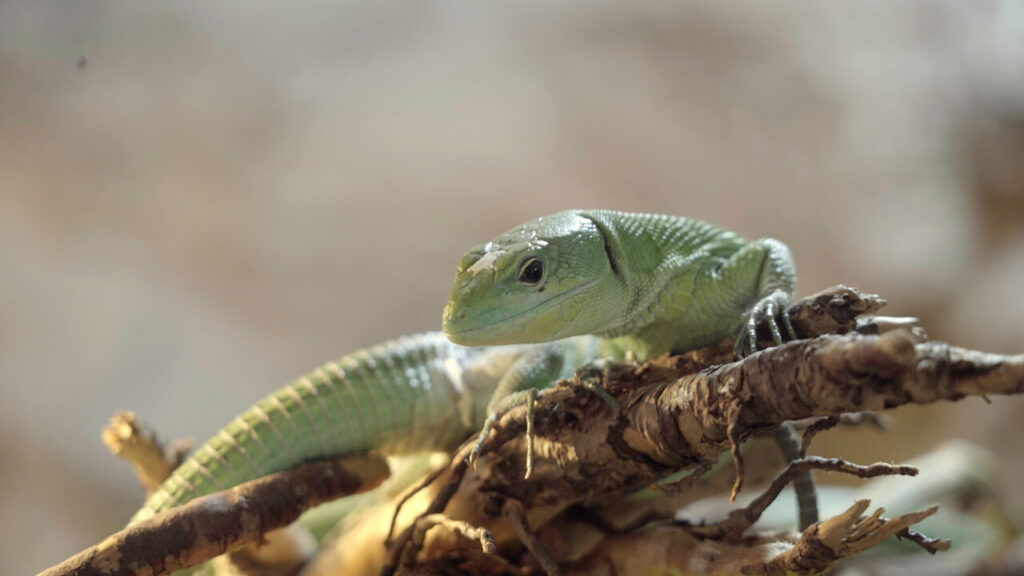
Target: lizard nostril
(462, 315)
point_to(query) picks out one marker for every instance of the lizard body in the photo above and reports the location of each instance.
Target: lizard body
(413, 394)
(565, 289)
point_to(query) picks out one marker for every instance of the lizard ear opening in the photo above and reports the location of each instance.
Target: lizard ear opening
(609, 249)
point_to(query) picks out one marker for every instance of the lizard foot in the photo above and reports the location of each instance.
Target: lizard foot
(592, 374)
(590, 377)
(485, 431)
(772, 310)
(527, 397)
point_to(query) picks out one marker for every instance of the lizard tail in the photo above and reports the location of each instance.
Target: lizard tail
(803, 484)
(396, 397)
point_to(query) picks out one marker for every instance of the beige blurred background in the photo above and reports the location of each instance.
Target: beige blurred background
(200, 201)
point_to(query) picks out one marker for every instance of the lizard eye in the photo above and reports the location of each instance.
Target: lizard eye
(531, 271)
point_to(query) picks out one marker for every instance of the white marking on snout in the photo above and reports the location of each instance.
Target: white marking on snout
(486, 262)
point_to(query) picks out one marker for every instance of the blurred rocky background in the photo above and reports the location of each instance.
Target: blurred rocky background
(200, 201)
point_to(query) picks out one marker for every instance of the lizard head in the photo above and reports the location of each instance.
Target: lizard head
(543, 280)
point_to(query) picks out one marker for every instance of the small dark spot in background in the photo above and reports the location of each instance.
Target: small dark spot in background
(83, 62)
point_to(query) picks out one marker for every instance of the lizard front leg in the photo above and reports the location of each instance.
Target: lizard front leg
(762, 274)
(537, 368)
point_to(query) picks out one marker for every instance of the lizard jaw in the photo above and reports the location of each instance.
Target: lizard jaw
(499, 331)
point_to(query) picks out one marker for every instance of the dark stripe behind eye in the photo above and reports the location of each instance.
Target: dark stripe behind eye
(608, 250)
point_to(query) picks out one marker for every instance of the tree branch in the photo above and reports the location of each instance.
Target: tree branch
(673, 418)
(215, 524)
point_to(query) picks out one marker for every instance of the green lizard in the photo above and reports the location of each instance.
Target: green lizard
(643, 284)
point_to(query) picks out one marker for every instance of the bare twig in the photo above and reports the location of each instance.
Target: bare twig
(209, 526)
(513, 510)
(869, 531)
(816, 427)
(737, 456)
(420, 485)
(464, 529)
(847, 534)
(733, 527)
(127, 437)
(402, 550)
(930, 545)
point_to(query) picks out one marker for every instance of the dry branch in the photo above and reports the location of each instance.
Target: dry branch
(278, 552)
(215, 524)
(125, 436)
(841, 536)
(673, 418)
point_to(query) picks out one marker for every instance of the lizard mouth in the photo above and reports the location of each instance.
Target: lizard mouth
(456, 335)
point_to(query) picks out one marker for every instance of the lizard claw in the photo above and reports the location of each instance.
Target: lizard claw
(528, 397)
(485, 431)
(770, 309)
(530, 406)
(592, 375)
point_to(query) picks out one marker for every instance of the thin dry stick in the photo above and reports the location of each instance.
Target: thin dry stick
(420, 485)
(464, 529)
(931, 545)
(818, 426)
(733, 527)
(513, 510)
(734, 450)
(403, 548)
(127, 437)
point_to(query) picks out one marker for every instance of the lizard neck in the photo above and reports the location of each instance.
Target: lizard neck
(659, 260)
